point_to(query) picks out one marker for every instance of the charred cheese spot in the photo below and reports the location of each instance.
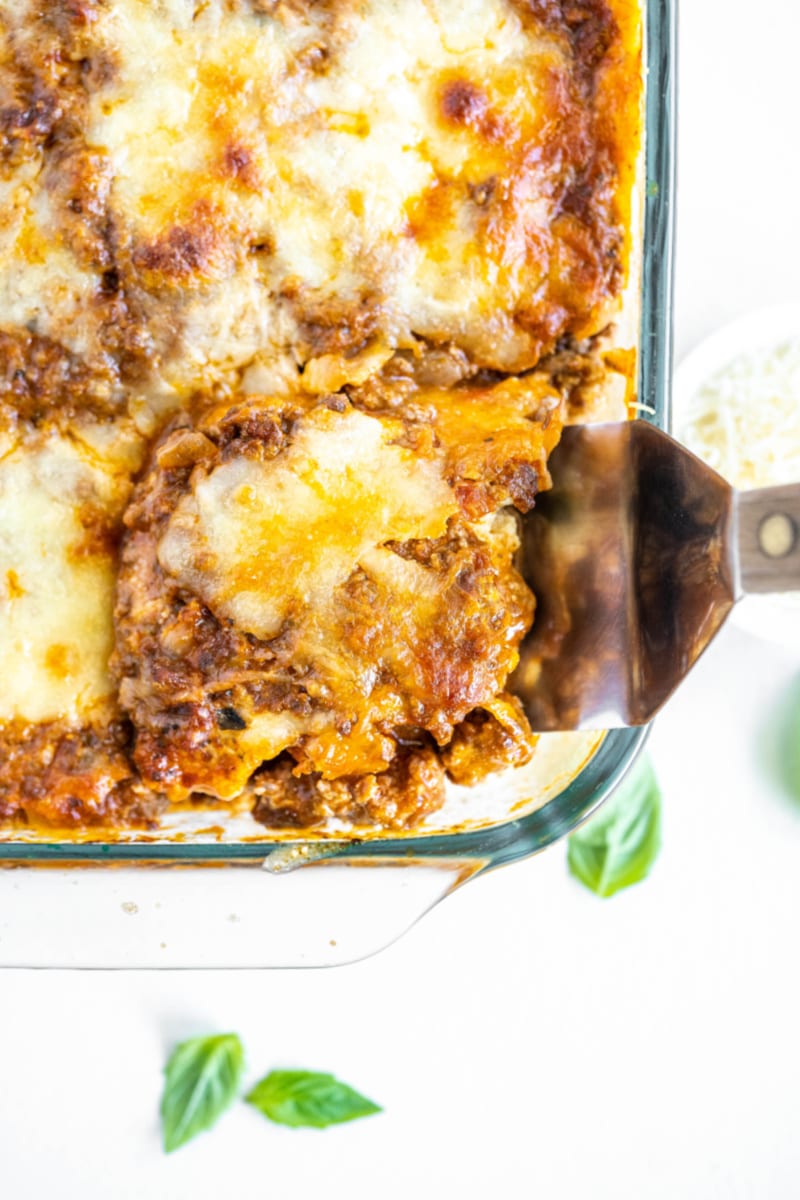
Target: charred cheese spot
(465, 103)
(238, 162)
(187, 253)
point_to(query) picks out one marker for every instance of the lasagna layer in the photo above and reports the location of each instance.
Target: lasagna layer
(255, 256)
(190, 188)
(63, 754)
(335, 583)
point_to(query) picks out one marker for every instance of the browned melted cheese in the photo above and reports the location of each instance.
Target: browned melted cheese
(258, 540)
(325, 581)
(62, 494)
(203, 204)
(190, 187)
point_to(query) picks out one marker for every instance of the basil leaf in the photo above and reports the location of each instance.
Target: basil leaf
(787, 738)
(619, 845)
(791, 769)
(308, 1099)
(203, 1076)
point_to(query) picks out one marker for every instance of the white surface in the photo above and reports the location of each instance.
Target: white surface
(526, 1039)
(738, 168)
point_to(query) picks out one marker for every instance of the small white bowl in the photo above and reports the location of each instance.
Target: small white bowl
(775, 618)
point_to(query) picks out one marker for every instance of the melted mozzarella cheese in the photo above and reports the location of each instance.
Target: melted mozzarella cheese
(268, 175)
(261, 540)
(743, 419)
(184, 79)
(338, 168)
(56, 578)
(43, 288)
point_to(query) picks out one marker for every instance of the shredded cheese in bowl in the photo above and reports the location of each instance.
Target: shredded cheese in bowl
(737, 406)
(744, 421)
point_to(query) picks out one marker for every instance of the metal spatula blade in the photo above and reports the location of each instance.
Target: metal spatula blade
(636, 557)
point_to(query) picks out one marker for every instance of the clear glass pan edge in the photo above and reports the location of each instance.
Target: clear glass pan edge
(461, 855)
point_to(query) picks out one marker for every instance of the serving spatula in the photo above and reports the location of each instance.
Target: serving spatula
(636, 556)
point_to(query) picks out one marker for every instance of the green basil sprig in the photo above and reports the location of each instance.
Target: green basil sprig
(783, 741)
(308, 1099)
(619, 845)
(203, 1078)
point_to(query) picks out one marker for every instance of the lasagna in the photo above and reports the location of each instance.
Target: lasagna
(295, 297)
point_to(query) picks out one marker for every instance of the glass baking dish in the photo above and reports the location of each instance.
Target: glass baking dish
(210, 903)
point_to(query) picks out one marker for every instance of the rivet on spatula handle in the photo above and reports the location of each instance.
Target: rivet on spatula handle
(768, 522)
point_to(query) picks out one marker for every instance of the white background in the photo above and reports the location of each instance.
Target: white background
(526, 1039)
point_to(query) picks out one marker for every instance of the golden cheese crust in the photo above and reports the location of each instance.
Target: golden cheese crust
(276, 596)
(64, 484)
(242, 241)
(189, 188)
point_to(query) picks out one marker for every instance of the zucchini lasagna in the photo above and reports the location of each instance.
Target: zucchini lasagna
(295, 297)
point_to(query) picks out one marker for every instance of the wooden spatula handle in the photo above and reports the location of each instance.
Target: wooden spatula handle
(768, 522)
